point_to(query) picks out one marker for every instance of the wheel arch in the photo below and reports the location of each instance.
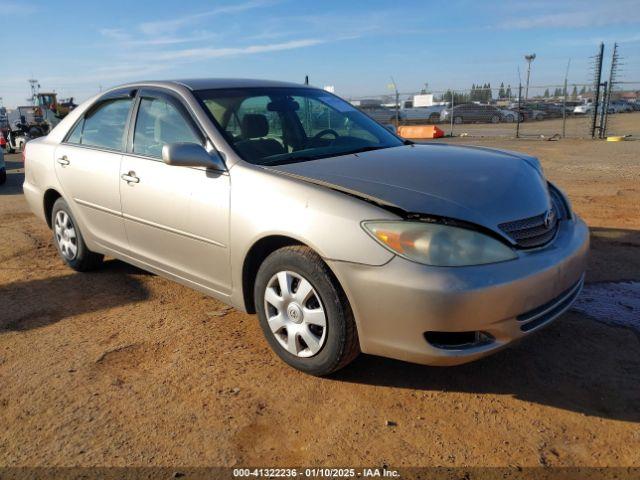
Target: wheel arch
(49, 198)
(258, 252)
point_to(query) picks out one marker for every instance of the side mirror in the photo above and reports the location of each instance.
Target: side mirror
(190, 155)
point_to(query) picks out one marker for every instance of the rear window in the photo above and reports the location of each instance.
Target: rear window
(103, 126)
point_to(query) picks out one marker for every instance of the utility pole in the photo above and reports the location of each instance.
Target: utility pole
(529, 58)
(35, 86)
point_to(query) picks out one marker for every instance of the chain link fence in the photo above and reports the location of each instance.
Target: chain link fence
(623, 110)
(571, 110)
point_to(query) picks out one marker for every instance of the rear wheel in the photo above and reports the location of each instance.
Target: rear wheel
(68, 240)
(457, 120)
(303, 312)
(495, 119)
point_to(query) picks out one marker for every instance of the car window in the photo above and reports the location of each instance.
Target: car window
(318, 118)
(104, 126)
(76, 133)
(158, 123)
(276, 125)
(256, 106)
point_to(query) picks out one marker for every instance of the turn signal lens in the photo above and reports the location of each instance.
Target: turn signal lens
(439, 245)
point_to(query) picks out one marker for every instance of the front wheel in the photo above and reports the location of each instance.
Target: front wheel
(457, 120)
(68, 240)
(303, 312)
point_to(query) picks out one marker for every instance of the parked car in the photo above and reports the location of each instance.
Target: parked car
(342, 239)
(426, 114)
(619, 107)
(3, 168)
(527, 112)
(584, 109)
(471, 112)
(550, 110)
(383, 115)
(510, 116)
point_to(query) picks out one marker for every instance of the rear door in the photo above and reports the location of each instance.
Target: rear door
(88, 168)
(176, 218)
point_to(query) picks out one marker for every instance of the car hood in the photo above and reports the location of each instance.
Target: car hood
(479, 185)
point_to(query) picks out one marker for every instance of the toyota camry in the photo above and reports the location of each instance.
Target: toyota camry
(286, 201)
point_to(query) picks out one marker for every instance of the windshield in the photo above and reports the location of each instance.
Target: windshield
(270, 126)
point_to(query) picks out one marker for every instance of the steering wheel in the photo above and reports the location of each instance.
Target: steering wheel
(322, 133)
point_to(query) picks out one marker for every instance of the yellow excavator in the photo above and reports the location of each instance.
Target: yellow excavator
(52, 110)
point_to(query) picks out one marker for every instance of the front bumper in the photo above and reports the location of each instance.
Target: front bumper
(397, 303)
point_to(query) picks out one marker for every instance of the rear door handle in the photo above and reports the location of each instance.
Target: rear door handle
(130, 177)
(63, 160)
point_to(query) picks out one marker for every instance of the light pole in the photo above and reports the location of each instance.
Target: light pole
(529, 59)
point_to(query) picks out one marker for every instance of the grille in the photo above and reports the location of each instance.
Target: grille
(532, 232)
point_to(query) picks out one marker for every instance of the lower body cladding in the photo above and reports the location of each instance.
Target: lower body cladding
(449, 316)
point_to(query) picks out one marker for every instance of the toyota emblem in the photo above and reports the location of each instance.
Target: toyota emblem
(548, 219)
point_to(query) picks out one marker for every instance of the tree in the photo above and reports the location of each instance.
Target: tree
(546, 93)
(501, 93)
(458, 98)
(508, 92)
(583, 90)
(574, 93)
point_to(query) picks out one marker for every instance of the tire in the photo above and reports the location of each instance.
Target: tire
(509, 118)
(457, 120)
(3, 176)
(434, 118)
(495, 119)
(65, 229)
(330, 347)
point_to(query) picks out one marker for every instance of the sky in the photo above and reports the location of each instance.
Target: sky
(78, 48)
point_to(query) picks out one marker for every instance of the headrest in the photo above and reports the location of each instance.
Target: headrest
(254, 125)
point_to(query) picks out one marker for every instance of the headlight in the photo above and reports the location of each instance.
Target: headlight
(438, 245)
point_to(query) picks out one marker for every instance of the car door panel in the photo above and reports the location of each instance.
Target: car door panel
(176, 218)
(90, 181)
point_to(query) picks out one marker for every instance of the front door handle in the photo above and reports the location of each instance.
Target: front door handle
(130, 177)
(63, 160)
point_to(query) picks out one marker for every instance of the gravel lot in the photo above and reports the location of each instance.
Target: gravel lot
(120, 367)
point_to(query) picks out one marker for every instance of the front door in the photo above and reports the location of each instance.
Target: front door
(176, 218)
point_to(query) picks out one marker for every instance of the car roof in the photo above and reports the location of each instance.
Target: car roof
(214, 83)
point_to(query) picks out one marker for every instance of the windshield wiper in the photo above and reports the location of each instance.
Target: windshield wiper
(368, 148)
(303, 158)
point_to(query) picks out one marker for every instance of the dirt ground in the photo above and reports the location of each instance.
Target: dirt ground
(119, 367)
